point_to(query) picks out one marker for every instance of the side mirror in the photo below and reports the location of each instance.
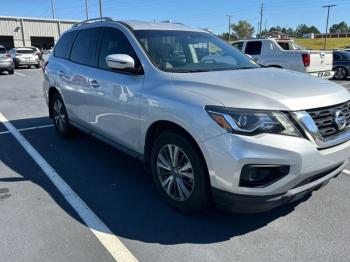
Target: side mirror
(120, 61)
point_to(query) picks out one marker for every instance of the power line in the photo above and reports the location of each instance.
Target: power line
(325, 39)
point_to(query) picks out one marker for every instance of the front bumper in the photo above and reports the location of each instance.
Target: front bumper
(227, 154)
(239, 203)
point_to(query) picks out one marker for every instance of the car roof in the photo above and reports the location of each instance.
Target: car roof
(142, 25)
(136, 25)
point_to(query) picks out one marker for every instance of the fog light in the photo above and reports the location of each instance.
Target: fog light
(262, 175)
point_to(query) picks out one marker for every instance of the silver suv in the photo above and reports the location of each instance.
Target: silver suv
(208, 122)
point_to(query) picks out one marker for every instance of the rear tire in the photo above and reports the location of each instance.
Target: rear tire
(182, 180)
(60, 116)
(11, 72)
(340, 73)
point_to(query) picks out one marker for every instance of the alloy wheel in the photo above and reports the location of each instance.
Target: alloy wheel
(340, 73)
(59, 115)
(175, 172)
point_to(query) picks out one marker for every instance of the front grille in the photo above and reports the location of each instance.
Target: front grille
(325, 119)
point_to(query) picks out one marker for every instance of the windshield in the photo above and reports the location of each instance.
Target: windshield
(186, 51)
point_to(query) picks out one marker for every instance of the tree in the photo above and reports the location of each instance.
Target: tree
(313, 29)
(225, 37)
(304, 29)
(301, 30)
(342, 27)
(243, 29)
(290, 32)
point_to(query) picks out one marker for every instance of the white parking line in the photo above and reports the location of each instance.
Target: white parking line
(110, 241)
(27, 128)
(346, 172)
(19, 74)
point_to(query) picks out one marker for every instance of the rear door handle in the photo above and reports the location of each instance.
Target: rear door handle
(94, 83)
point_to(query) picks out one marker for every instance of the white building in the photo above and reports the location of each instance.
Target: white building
(25, 31)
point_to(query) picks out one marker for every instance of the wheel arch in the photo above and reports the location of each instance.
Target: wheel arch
(52, 90)
(161, 126)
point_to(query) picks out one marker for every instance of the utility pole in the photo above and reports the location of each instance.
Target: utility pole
(229, 27)
(53, 8)
(87, 9)
(100, 1)
(325, 39)
(261, 17)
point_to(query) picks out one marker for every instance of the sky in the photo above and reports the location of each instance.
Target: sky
(209, 14)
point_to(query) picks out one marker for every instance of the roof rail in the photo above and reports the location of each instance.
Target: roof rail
(94, 20)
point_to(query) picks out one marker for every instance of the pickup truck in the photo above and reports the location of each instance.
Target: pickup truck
(288, 55)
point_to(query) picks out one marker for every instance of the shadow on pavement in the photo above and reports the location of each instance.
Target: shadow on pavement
(117, 189)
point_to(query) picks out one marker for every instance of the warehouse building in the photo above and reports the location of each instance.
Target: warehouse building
(24, 31)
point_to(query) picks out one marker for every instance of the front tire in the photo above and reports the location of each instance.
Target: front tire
(179, 173)
(60, 116)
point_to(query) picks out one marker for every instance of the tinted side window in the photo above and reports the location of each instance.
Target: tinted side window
(337, 57)
(284, 45)
(253, 48)
(64, 44)
(238, 45)
(85, 46)
(114, 42)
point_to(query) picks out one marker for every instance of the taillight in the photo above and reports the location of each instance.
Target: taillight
(306, 59)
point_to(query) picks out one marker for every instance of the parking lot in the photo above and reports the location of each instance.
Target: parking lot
(38, 224)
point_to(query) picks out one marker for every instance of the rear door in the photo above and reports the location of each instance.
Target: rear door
(115, 97)
(74, 73)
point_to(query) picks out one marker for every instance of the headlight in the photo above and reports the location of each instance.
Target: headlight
(252, 122)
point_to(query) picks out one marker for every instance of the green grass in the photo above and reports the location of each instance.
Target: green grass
(318, 43)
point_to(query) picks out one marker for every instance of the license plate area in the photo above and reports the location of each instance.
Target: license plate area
(323, 74)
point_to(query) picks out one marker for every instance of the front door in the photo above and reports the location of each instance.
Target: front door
(114, 99)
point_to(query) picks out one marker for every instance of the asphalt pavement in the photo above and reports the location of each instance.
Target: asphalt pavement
(38, 224)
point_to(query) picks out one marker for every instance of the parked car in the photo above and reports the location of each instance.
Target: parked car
(251, 138)
(341, 64)
(6, 63)
(288, 55)
(25, 56)
(46, 56)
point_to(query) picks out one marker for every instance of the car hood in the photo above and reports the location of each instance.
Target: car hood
(263, 88)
